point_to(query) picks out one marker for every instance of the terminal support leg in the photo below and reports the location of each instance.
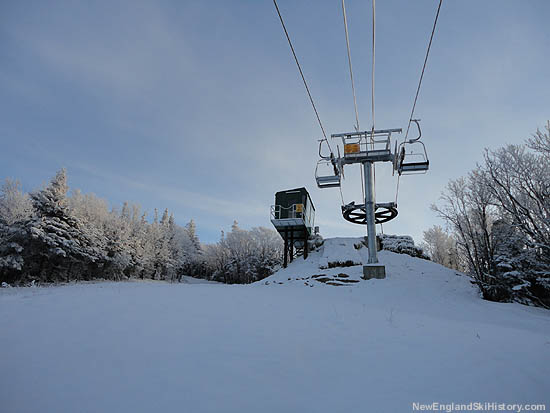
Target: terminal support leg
(291, 245)
(285, 254)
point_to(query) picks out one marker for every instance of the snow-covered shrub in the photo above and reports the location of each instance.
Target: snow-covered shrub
(401, 244)
(315, 242)
(335, 264)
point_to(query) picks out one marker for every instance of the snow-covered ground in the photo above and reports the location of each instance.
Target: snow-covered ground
(291, 343)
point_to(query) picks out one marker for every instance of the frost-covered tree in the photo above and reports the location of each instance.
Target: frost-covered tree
(468, 210)
(195, 261)
(540, 142)
(239, 244)
(15, 205)
(244, 256)
(165, 261)
(500, 217)
(191, 229)
(268, 249)
(441, 247)
(520, 182)
(60, 247)
(15, 211)
(217, 259)
(57, 237)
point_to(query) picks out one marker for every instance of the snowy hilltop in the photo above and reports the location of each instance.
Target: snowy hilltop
(312, 337)
(411, 283)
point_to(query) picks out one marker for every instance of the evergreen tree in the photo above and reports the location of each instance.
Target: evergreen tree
(192, 233)
(51, 237)
(59, 248)
(164, 220)
(15, 211)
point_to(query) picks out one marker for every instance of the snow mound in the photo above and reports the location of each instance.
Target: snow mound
(340, 252)
(339, 262)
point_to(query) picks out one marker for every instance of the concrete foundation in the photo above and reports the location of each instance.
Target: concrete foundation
(374, 271)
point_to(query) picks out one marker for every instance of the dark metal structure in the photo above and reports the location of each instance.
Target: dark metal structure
(293, 216)
(356, 213)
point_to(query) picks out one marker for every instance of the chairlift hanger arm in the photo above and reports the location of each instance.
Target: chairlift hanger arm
(331, 156)
(417, 121)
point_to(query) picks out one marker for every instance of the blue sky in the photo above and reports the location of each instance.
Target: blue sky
(197, 106)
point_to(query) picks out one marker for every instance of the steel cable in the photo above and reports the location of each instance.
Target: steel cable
(353, 91)
(419, 85)
(301, 74)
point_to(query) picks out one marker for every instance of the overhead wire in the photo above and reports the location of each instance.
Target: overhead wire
(350, 66)
(301, 74)
(353, 84)
(305, 85)
(373, 64)
(372, 95)
(419, 85)
(353, 91)
(423, 69)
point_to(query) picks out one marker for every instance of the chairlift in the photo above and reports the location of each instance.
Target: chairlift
(411, 156)
(328, 173)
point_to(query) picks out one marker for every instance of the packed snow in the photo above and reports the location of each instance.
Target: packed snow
(306, 339)
(340, 250)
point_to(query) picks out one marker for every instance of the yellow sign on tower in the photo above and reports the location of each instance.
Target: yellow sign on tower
(351, 148)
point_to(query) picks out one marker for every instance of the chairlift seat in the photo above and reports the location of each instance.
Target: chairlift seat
(415, 166)
(331, 181)
(331, 178)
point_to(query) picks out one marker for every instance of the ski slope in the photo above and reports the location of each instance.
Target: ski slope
(290, 343)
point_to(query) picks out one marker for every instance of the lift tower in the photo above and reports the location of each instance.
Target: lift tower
(365, 148)
(357, 150)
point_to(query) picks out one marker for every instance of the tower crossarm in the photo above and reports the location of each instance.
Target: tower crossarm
(367, 146)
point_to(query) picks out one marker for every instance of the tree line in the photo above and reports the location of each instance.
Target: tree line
(50, 236)
(498, 221)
